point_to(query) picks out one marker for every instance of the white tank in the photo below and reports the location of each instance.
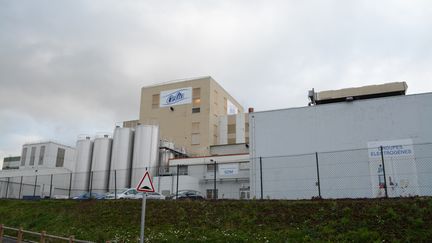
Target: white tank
(165, 155)
(145, 152)
(101, 163)
(121, 158)
(83, 158)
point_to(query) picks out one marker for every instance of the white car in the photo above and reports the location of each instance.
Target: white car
(127, 193)
(153, 195)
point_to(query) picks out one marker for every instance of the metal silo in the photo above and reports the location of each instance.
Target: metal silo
(165, 154)
(101, 164)
(121, 158)
(83, 159)
(145, 152)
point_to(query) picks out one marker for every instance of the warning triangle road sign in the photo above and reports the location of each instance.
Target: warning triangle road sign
(146, 185)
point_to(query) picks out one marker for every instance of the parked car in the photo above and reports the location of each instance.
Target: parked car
(187, 195)
(127, 193)
(60, 197)
(153, 195)
(88, 195)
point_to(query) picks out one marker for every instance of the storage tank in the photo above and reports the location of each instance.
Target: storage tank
(101, 163)
(83, 158)
(121, 158)
(145, 151)
(165, 154)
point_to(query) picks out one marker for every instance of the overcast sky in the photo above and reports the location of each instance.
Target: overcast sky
(76, 67)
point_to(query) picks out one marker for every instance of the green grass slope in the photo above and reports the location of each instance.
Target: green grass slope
(396, 220)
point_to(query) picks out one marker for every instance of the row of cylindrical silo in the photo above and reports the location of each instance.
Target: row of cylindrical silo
(119, 162)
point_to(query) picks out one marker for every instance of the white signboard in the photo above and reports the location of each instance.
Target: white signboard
(176, 97)
(399, 165)
(228, 169)
(231, 108)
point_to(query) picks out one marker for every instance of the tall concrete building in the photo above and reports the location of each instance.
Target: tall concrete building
(187, 112)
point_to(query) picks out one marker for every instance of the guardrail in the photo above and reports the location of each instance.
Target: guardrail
(43, 236)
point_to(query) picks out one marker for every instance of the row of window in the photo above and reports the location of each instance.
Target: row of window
(59, 158)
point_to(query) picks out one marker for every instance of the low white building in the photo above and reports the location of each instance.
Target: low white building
(47, 155)
(45, 169)
(232, 176)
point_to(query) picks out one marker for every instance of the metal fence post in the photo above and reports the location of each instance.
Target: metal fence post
(20, 188)
(115, 184)
(35, 184)
(177, 185)
(318, 175)
(261, 179)
(7, 187)
(215, 196)
(1, 232)
(51, 185)
(383, 166)
(70, 185)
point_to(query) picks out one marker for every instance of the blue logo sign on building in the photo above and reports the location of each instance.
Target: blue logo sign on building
(176, 97)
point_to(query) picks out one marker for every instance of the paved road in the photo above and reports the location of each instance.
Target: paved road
(8, 240)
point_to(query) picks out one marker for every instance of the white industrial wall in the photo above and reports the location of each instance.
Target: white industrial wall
(289, 138)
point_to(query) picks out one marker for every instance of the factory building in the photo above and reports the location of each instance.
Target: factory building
(332, 148)
(187, 112)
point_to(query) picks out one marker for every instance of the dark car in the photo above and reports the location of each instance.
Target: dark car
(88, 195)
(187, 195)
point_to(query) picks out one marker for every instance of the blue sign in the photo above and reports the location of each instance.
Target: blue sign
(176, 97)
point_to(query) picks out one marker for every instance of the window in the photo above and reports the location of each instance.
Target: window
(210, 194)
(24, 156)
(41, 155)
(155, 101)
(196, 93)
(195, 127)
(196, 100)
(195, 139)
(210, 168)
(60, 157)
(32, 155)
(232, 128)
(183, 170)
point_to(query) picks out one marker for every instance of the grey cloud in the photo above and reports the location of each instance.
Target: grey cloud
(71, 67)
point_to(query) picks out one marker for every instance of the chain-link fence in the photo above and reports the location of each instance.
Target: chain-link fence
(198, 181)
(374, 172)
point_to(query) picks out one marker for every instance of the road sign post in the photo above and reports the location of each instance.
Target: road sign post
(145, 185)
(143, 217)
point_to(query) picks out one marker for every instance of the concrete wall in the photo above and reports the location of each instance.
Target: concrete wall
(289, 138)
